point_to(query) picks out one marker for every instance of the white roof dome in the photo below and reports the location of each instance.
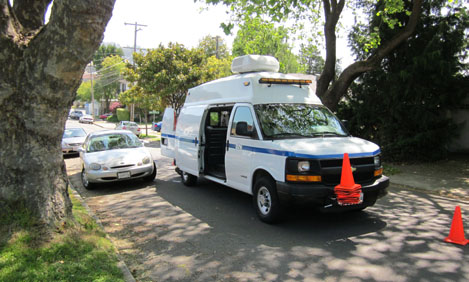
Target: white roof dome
(254, 63)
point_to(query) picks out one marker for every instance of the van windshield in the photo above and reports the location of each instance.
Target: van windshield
(285, 121)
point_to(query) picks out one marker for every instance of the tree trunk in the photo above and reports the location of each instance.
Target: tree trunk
(40, 70)
(332, 11)
(331, 97)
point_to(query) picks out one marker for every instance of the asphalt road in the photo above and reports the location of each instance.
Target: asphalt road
(167, 231)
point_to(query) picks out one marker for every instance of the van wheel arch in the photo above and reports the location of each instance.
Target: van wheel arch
(258, 174)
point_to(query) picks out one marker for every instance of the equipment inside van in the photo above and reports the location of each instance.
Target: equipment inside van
(267, 134)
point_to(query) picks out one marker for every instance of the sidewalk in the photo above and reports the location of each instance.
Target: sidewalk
(449, 178)
(105, 124)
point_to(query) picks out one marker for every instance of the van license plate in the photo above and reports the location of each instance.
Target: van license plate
(122, 175)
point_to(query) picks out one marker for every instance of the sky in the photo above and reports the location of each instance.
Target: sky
(181, 21)
(167, 21)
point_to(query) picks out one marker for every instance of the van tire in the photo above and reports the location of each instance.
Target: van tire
(265, 200)
(188, 179)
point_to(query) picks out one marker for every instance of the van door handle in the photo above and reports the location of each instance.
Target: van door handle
(227, 145)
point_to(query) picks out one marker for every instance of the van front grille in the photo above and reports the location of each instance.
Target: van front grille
(331, 170)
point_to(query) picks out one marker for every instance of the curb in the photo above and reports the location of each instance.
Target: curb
(128, 277)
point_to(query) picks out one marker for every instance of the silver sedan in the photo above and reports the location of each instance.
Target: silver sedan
(72, 139)
(114, 155)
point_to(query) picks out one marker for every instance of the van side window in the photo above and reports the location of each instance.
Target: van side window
(243, 123)
(214, 118)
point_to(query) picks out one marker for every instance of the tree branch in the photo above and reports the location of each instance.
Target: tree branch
(65, 46)
(338, 89)
(30, 13)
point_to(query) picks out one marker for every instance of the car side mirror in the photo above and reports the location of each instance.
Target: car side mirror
(80, 150)
(242, 129)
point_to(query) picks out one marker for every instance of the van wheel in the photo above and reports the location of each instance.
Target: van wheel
(86, 183)
(266, 200)
(188, 179)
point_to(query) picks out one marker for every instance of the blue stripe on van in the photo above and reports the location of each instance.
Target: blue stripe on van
(284, 153)
(296, 155)
(180, 138)
(188, 140)
(168, 135)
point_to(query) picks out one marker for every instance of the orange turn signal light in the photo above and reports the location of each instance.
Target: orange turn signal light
(378, 172)
(304, 178)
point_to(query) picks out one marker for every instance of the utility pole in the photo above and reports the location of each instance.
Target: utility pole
(136, 25)
(217, 47)
(92, 90)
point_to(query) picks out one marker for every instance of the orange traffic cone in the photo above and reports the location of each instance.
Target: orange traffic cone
(346, 179)
(456, 234)
(347, 192)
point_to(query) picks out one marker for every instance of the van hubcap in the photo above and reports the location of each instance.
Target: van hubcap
(264, 200)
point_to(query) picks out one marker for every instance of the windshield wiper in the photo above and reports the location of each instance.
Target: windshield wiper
(328, 133)
(287, 134)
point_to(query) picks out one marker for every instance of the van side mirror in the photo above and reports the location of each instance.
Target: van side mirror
(242, 129)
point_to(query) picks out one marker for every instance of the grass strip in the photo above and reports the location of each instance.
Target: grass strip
(79, 251)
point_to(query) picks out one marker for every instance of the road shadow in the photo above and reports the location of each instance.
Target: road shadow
(232, 211)
(167, 231)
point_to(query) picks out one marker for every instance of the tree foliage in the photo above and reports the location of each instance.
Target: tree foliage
(404, 105)
(256, 36)
(164, 75)
(330, 89)
(214, 46)
(107, 84)
(106, 50)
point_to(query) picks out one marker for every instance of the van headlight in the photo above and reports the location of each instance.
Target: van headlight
(95, 166)
(303, 166)
(377, 160)
(146, 160)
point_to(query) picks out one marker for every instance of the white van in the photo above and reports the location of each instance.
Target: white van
(267, 134)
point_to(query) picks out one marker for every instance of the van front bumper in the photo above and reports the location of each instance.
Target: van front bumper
(324, 196)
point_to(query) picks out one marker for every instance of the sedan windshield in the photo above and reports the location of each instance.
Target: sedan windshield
(113, 142)
(74, 132)
(284, 121)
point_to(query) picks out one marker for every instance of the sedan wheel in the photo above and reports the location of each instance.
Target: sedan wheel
(86, 183)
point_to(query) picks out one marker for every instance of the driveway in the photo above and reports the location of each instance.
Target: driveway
(167, 231)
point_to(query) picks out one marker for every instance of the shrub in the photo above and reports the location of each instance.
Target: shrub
(123, 114)
(112, 118)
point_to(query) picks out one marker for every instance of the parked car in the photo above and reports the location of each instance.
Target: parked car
(72, 139)
(105, 116)
(157, 126)
(129, 125)
(86, 119)
(114, 155)
(76, 114)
